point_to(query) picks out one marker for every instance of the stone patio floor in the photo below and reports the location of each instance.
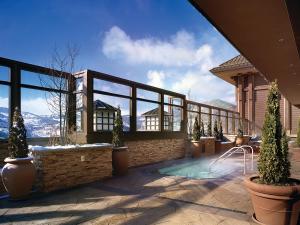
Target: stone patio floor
(142, 197)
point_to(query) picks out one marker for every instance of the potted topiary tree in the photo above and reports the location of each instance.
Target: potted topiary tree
(19, 173)
(218, 134)
(209, 132)
(120, 152)
(275, 196)
(195, 143)
(240, 134)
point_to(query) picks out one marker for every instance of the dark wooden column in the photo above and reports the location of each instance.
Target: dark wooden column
(133, 109)
(241, 100)
(251, 113)
(15, 90)
(88, 105)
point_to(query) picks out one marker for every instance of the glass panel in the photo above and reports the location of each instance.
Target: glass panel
(42, 80)
(191, 120)
(192, 107)
(79, 101)
(107, 86)
(4, 111)
(204, 109)
(147, 111)
(79, 120)
(79, 84)
(109, 104)
(168, 99)
(40, 110)
(149, 95)
(173, 115)
(4, 73)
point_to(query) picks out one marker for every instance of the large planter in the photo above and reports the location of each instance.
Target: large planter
(274, 205)
(18, 176)
(218, 146)
(196, 149)
(120, 160)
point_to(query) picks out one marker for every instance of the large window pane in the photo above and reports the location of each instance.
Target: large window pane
(42, 80)
(40, 110)
(192, 107)
(149, 95)
(173, 100)
(191, 119)
(148, 116)
(107, 86)
(173, 117)
(4, 111)
(105, 108)
(4, 73)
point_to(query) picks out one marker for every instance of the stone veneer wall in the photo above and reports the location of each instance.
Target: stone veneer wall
(152, 151)
(64, 168)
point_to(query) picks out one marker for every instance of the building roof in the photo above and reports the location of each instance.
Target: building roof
(154, 112)
(234, 63)
(234, 67)
(104, 106)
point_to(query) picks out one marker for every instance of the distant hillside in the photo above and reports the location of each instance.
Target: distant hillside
(221, 104)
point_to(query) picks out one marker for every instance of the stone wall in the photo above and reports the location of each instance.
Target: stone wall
(60, 169)
(152, 151)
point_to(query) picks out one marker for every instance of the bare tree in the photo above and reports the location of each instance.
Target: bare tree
(59, 95)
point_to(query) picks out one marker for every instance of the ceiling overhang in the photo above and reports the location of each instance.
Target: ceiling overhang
(266, 32)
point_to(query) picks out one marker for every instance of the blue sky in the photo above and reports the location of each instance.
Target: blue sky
(167, 43)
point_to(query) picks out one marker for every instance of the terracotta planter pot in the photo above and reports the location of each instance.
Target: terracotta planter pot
(120, 160)
(18, 176)
(242, 140)
(196, 149)
(274, 205)
(218, 146)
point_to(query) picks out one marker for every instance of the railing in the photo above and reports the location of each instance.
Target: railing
(238, 149)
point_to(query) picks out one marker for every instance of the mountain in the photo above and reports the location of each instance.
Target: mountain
(40, 125)
(221, 104)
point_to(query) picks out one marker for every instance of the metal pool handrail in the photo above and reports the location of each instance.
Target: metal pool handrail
(232, 151)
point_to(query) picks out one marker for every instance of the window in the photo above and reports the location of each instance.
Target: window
(79, 84)
(79, 112)
(191, 120)
(148, 95)
(105, 109)
(42, 80)
(168, 99)
(41, 113)
(192, 107)
(4, 111)
(4, 73)
(172, 118)
(148, 116)
(111, 87)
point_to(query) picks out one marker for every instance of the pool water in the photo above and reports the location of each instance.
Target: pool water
(199, 168)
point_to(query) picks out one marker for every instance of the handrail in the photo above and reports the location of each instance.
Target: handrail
(232, 151)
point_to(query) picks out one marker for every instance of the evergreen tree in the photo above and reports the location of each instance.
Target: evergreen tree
(202, 130)
(298, 134)
(221, 136)
(240, 132)
(273, 165)
(216, 130)
(17, 143)
(209, 132)
(117, 133)
(196, 130)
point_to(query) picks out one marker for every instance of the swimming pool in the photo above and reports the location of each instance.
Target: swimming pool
(199, 168)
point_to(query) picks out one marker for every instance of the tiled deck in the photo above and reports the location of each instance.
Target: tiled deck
(142, 197)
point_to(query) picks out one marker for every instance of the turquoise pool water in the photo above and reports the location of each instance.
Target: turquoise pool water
(199, 169)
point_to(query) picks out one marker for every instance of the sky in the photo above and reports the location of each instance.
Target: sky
(167, 44)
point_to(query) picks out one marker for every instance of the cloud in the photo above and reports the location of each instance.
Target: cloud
(203, 87)
(156, 78)
(3, 102)
(36, 106)
(178, 50)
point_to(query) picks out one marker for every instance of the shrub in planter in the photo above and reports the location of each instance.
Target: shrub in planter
(120, 152)
(240, 139)
(209, 132)
(19, 173)
(202, 130)
(275, 196)
(195, 143)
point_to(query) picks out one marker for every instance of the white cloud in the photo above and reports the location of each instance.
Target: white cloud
(36, 106)
(156, 78)
(179, 50)
(204, 87)
(3, 102)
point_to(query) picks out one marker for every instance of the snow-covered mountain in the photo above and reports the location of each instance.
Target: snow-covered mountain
(39, 125)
